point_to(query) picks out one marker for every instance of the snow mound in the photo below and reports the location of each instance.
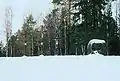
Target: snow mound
(24, 56)
(42, 55)
(95, 53)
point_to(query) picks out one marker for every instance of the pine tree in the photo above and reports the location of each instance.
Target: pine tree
(27, 34)
(50, 29)
(66, 19)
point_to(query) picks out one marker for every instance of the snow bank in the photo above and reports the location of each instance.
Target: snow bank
(60, 68)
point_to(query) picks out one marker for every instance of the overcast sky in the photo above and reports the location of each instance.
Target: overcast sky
(21, 8)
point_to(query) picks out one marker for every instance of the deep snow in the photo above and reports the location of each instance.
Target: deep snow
(60, 68)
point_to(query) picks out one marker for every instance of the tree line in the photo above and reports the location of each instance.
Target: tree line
(67, 30)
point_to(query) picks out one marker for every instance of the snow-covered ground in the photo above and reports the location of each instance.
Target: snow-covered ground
(60, 68)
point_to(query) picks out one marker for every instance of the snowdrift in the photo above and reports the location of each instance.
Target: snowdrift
(60, 68)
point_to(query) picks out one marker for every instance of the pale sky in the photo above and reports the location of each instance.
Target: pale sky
(20, 9)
